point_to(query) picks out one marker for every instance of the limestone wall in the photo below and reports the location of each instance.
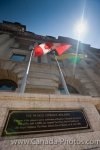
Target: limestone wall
(11, 101)
(44, 77)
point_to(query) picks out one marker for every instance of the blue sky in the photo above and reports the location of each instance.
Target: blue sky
(55, 17)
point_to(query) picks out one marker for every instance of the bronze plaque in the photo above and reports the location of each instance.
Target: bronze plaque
(20, 122)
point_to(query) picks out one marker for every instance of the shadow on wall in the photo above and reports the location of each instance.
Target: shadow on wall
(75, 86)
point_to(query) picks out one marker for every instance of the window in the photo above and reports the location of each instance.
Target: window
(7, 85)
(71, 89)
(61, 89)
(18, 57)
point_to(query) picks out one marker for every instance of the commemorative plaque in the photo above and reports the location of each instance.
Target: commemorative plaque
(20, 122)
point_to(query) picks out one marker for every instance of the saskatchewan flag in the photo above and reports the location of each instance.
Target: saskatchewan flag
(72, 57)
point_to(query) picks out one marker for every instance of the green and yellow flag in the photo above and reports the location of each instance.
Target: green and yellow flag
(72, 57)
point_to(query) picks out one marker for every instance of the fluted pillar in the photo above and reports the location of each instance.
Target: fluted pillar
(3, 38)
(6, 45)
(44, 59)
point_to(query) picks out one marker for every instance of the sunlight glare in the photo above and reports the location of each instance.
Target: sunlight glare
(81, 28)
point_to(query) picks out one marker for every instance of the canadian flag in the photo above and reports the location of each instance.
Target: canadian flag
(44, 48)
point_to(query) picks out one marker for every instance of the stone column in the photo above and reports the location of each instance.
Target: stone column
(3, 38)
(6, 45)
(94, 84)
(44, 59)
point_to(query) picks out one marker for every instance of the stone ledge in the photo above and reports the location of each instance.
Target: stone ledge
(48, 97)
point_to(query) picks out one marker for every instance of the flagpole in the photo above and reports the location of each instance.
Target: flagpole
(23, 84)
(62, 77)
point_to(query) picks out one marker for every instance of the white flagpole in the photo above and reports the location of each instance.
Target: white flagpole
(62, 77)
(23, 84)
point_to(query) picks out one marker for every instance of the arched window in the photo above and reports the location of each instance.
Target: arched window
(7, 85)
(98, 108)
(71, 89)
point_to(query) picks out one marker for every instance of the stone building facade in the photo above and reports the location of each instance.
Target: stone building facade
(43, 87)
(44, 75)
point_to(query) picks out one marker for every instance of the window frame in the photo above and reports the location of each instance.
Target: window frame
(8, 82)
(19, 52)
(11, 58)
(70, 88)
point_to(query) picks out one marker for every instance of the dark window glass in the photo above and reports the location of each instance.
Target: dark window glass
(61, 89)
(7, 85)
(71, 89)
(18, 57)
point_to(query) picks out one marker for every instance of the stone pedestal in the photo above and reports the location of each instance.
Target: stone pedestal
(78, 140)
